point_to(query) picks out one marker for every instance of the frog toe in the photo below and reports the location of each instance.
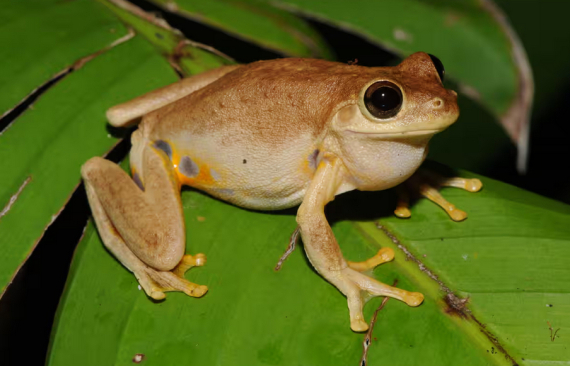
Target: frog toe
(155, 283)
(187, 262)
(384, 255)
(169, 281)
(427, 184)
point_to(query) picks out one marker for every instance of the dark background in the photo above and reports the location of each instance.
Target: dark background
(28, 306)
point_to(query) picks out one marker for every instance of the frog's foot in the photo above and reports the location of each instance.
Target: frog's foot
(430, 190)
(155, 283)
(187, 262)
(359, 288)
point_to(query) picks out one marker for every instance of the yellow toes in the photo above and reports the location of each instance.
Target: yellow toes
(200, 259)
(427, 184)
(470, 185)
(358, 325)
(387, 254)
(156, 283)
(403, 212)
(384, 255)
(433, 195)
(156, 294)
(414, 299)
(187, 262)
(402, 208)
(455, 213)
(197, 291)
(473, 185)
(175, 283)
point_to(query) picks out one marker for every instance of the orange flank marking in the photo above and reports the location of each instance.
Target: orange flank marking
(204, 178)
(306, 167)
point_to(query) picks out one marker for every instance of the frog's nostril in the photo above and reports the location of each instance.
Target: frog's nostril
(437, 103)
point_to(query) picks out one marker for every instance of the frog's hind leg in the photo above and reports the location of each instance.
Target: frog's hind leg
(128, 113)
(427, 184)
(143, 229)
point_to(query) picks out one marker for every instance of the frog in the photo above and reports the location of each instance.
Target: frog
(269, 135)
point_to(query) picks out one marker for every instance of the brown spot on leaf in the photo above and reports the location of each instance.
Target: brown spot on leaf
(456, 306)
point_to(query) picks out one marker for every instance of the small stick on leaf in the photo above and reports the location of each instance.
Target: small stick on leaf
(552, 332)
(368, 337)
(290, 248)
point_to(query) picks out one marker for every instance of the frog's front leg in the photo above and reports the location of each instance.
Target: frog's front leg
(143, 229)
(324, 253)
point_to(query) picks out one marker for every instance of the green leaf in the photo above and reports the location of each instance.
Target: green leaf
(43, 150)
(43, 38)
(507, 258)
(52, 141)
(256, 22)
(185, 56)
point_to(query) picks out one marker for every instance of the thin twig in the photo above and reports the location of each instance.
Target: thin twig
(552, 332)
(290, 248)
(368, 338)
(15, 197)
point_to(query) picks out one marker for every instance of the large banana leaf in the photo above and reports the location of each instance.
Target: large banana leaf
(507, 258)
(257, 22)
(43, 150)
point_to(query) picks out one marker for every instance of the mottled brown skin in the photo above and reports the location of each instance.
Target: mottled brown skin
(267, 135)
(278, 100)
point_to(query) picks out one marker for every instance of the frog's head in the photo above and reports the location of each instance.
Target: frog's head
(383, 130)
(402, 101)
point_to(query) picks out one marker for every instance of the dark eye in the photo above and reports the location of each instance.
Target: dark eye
(438, 66)
(383, 99)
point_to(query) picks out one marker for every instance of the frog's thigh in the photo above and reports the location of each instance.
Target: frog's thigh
(144, 230)
(125, 114)
(325, 255)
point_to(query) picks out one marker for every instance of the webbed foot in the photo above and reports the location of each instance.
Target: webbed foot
(156, 283)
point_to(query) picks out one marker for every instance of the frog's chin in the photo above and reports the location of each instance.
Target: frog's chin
(400, 134)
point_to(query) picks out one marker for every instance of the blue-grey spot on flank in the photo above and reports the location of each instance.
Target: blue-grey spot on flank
(138, 181)
(164, 146)
(215, 174)
(188, 167)
(313, 159)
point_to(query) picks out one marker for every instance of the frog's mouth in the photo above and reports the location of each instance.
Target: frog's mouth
(401, 134)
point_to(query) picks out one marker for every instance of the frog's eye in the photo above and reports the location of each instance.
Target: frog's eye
(438, 66)
(383, 99)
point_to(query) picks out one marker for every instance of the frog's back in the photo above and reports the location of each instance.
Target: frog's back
(253, 136)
